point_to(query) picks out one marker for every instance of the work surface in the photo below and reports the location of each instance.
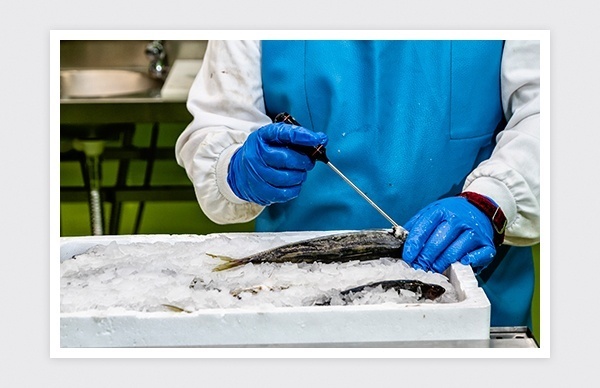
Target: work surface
(500, 337)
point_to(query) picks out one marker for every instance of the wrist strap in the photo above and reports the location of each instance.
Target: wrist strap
(491, 210)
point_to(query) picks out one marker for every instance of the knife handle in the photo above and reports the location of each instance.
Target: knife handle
(315, 153)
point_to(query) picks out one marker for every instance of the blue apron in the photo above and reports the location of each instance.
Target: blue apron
(407, 121)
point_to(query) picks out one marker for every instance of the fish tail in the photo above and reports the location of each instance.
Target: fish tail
(230, 262)
(174, 308)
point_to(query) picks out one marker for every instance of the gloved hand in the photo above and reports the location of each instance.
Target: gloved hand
(446, 231)
(265, 171)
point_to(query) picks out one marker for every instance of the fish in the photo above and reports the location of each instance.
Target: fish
(341, 247)
(423, 290)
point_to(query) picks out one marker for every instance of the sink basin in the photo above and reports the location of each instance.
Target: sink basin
(92, 83)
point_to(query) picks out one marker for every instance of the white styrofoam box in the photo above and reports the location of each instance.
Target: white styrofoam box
(468, 319)
(180, 79)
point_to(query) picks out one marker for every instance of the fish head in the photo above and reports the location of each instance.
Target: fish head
(432, 291)
(399, 232)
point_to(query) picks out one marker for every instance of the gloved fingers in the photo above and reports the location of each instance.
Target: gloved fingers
(270, 194)
(272, 186)
(466, 243)
(280, 195)
(284, 158)
(278, 178)
(419, 232)
(252, 179)
(439, 242)
(285, 134)
(479, 258)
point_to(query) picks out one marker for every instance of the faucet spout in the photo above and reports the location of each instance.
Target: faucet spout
(157, 55)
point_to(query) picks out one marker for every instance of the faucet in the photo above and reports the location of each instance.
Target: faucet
(155, 52)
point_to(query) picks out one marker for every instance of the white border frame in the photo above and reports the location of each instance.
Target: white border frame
(54, 99)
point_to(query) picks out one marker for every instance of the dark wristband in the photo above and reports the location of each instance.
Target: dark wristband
(491, 210)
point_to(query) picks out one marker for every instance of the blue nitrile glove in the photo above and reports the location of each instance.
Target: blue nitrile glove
(446, 231)
(265, 171)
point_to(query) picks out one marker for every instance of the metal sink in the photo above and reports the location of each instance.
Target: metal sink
(98, 83)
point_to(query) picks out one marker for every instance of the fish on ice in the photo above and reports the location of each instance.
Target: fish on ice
(342, 247)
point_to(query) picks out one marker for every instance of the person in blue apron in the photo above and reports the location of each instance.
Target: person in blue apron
(442, 135)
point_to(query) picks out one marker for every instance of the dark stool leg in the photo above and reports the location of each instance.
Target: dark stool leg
(148, 174)
(115, 214)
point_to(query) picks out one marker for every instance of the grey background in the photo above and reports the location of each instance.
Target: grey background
(24, 151)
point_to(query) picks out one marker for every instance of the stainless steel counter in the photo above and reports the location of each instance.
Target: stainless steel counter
(146, 107)
(122, 110)
(500, 337)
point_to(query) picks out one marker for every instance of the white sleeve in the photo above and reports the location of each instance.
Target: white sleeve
(226, 102)
(511, 176)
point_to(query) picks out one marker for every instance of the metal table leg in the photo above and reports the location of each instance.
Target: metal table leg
(93, 178)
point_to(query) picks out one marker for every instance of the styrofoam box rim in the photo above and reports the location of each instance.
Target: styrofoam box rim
(465, 320)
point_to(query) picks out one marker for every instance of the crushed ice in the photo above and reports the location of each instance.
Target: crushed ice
(166, 276)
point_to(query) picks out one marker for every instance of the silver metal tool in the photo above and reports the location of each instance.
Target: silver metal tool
(319, 153)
